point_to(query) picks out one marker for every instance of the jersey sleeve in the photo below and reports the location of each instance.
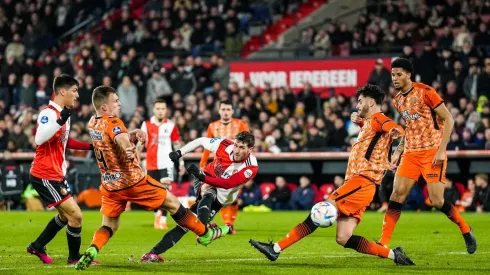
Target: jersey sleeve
(432, 98)
(382, 123)
(143, 127)
(47, 126)
(115, 127)
(175, 136)
(212, 144)
(235, 180)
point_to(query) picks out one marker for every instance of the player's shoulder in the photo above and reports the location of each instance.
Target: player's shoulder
(47, 114)
(251, 161)
(422, 86)
(111, 120)
(224, 141)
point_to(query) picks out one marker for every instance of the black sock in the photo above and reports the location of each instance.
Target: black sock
(51, 229)
(169, 240)
(353, 242)
(446, 208)
(179, 214)
(309, 223)
(396, 206)
(73, 235)
(204, 206)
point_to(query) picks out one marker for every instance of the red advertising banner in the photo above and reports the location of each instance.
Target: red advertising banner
(343, 75)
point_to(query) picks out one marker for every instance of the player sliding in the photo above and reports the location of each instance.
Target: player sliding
(368, 161)
(124, 180)
(429, 126)
(219, 184)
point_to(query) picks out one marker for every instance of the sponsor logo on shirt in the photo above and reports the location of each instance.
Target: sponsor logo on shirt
(44, 119)
(95, 135)
(116, 130)
(111, 177)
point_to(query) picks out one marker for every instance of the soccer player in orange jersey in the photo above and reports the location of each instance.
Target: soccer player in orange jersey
(367, 164)
(124, 180)
(226, 127)
(428, 127)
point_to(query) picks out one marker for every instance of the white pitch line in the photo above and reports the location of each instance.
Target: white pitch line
(461, 253)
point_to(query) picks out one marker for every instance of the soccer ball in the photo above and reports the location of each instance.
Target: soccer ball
(324, 214)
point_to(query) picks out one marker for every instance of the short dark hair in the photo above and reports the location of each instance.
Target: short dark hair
(64, 81)
(101, 94)
(372, 91)
(246, 137)
(226, 102)
(160, 100)
(402, 63)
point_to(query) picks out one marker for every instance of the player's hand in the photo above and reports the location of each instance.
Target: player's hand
(141, 136)
(354, 117)
(395, 133)
(64, 116)
(196, 172)
(175, 156)
(439, 158)
(131, 152)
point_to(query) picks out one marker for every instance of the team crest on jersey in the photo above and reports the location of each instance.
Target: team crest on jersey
(95, 135)
(116, 130)
(213, 140)
(44, 119)
(248, 173)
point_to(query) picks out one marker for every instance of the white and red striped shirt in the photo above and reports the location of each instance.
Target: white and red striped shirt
(227, 175)
(159, 145)
(51, 139)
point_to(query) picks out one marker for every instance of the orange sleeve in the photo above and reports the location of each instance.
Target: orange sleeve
(432, 98)
(206, 153)
(115, 126)
(382, 123)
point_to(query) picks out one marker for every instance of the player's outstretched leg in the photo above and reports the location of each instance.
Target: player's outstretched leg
(101, 237)
(401, 188)
(204, 205)
(185, 218)
(271, 251)
(168, 241)
(37, 247)
(436, 195)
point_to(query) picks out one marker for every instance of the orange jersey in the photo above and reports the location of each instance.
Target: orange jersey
(369, 155)
(424, 127)
(117, 171)
(218, 129)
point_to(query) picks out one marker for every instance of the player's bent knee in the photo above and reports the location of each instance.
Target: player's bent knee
(171, 203)
(436, 202)
(342, 238)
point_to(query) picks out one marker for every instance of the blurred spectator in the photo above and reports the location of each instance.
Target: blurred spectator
(302, 197)
(481, 200)
(380, 75)
(250, 195)
(157, 86)
(128, 96)
(279, 198)
(451, 193)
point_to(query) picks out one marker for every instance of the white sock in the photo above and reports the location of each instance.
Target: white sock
(277, 248)
(391, 255)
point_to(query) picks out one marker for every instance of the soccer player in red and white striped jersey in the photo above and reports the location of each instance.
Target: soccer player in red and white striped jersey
(163, 138)
(48, 169)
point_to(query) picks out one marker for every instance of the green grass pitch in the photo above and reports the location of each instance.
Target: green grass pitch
(430, 239)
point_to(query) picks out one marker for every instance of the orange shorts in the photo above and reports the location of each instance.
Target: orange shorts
(415, 164)
(354, 197)
(149, 193)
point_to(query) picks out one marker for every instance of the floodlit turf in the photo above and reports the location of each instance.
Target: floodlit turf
(432, 241)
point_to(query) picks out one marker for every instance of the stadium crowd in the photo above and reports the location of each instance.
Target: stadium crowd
(445, 40)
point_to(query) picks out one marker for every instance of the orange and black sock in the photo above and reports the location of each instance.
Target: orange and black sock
(448, 209)
(185, 218)
(361, 245)
(392, 216)
(101, 237)
(299, 232)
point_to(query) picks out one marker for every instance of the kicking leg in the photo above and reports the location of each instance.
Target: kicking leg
(271, 251)
(436, 196)
(401, 189)
(345, 228)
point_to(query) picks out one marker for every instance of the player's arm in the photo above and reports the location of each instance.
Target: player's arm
(176, 143)
(211, 144)
(139, 146)
(445, 115)
(119, 134)
(354, 117)
(206, 153)
(49, 124)
(384, 124)
(235, 180)
(78, 145)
